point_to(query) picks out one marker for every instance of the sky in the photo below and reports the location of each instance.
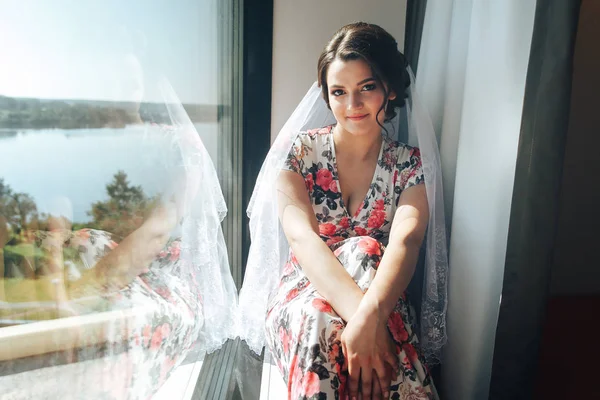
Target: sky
(108, 50)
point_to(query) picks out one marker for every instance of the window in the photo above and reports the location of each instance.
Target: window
(81, 174)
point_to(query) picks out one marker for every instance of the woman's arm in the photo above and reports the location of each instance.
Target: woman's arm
(135, 253)
(398, 263)
(318, 262)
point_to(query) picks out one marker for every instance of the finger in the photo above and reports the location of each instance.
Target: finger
(392, 360)
(353, 377)
(383, 377)
(366, 375)
(376, 391)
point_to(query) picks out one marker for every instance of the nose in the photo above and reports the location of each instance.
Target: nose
(354, 102)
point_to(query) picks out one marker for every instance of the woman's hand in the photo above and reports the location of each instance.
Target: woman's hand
(370, 354)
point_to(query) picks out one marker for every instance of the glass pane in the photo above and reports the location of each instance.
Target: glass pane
(93, 290)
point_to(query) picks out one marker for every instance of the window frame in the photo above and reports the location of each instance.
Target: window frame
(245, 79)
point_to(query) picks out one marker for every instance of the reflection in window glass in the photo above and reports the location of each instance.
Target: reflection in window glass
(96, 300)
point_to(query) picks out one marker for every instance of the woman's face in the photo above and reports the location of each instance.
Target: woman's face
(355, 97)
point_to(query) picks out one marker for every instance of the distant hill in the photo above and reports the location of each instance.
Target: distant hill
(27, 113)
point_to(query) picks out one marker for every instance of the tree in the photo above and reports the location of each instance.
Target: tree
(19, 209)
(123, 193)
(26, 211)
(19, 213)
(4, 191)
(125, 209)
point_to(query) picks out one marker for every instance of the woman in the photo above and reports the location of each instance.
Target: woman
(353, 207)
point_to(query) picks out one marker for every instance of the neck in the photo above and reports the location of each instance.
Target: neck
(361, 147)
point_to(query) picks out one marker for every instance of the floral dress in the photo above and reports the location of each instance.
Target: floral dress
(303, 331)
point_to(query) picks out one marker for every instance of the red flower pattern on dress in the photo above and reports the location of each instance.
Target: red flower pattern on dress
(360, 231)
(397, 328)
(292, 294)
(333, 187)
(344, 223)
(310, 183)
(318, 131)
(389, 159)
(310, 384)
(294, 378)
(296, 291)
(376, 219)
(327, 229)
(164, 293)
(288, 268)
(334, 352)
(410, 351)
(405, 363)
(157, 338)
(322, 305)
(324, 178)
(343, 378)
(411, 174)
(295, 164)
(285, 339)
(334, 240)
(166, 329)
(369, 246)
(302, 385)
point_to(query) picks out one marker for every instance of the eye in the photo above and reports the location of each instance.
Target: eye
(337, 92)
(369, 87)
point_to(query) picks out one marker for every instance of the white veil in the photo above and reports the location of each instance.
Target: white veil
(203, 245)
(269, 247)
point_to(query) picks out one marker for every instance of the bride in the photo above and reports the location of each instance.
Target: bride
(354, 206)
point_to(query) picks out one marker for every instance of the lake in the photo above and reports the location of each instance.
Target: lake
(78, 163)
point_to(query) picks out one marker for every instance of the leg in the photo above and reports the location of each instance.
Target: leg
(303, 331)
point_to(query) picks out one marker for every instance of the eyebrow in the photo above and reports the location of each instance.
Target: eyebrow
(358, 84)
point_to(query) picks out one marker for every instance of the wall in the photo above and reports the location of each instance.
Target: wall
(576, 268)
(301, 31)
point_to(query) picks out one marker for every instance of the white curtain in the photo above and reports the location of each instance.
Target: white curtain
(472, 69)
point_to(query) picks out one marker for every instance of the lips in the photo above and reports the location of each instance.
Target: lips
(357, 117)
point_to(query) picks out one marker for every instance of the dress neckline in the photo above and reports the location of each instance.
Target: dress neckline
(376, 173)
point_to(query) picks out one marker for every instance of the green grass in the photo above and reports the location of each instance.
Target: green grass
(22, 294)
(23, 250)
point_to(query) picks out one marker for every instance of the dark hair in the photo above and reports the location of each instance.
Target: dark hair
(371, 43)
